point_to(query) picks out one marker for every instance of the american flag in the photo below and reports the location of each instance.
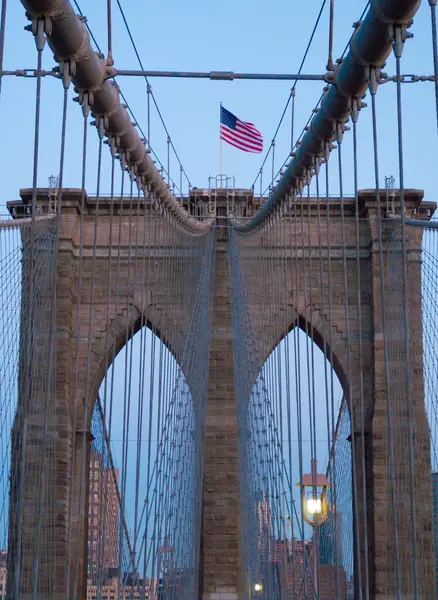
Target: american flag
(240, 134)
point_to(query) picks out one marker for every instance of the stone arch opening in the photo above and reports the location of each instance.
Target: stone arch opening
(116, 335)
(126, 426)
(310, 401)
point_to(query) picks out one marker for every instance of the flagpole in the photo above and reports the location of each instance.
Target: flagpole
(220, 140)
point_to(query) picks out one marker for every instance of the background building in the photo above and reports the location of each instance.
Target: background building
(292, 561)
(113, 589)
(264, 516)
(3, 573)
(435, 521)
(103, 518)
(330, 540)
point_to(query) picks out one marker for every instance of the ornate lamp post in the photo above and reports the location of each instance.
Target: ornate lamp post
(314, 505)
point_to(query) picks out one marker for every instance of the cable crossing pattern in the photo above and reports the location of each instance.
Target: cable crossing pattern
(215, 394)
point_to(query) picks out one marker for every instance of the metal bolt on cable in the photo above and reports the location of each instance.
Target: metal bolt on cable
(355, 108)
(85, 107)
(398, 43)
(374, 79)
(327, 150)
(39, 29)
(66, 69)
(317, 165)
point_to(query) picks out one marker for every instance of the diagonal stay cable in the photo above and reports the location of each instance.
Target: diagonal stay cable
(306, 52)
(310, 117)
(129, 109)
(147, 81)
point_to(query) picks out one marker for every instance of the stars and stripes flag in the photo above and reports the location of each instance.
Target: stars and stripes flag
(239, 133)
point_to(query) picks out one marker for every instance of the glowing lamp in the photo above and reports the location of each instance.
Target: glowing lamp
(314, 496)
(258, 587)
(314, 506)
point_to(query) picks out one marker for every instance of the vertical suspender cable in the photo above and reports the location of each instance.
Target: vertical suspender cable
(109, 58)
(307, 325)
(349, 372)
(104, 489)
(261, 185)
(40, 40)
(273, 164)
(149, 91)
(76, 360)
(292, 127)
(329, 287)
(168, 159)
(51, 350)
(433, 4)
(332, 463)
(126, 385)
(398, 49)
(330, 65)
(142, 371)
(2, 39)
(288, 391)
(359, 320)
(81, 495)
(373, 89)
(297, 364)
